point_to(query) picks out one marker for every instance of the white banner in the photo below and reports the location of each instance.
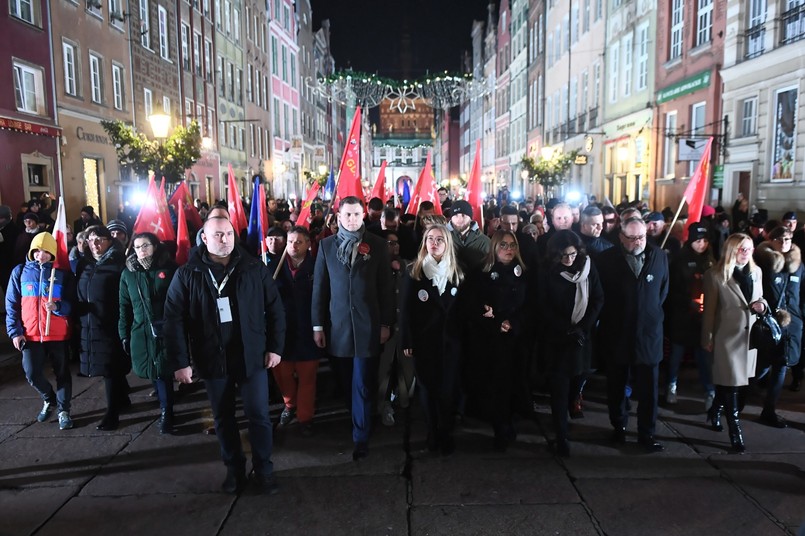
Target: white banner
(691, 149)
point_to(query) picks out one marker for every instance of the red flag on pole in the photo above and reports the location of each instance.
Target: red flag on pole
(349, 174)
(162, 203)
(154, 216)
(379, 190)
(62, 261)
(236, 213)
(425, 190)
(697, 187)
(191, 214)
(304, 214)
(475, 189)
(263, 210)
(182, 235)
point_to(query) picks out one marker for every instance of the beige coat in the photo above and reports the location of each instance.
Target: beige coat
(726, 324)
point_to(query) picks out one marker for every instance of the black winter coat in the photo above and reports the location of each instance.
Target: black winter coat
(192, 327)
(685, 305)
(98, 308)
(631, 326)
(296, 291)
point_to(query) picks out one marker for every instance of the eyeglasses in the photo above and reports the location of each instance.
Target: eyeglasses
(434, 240)
(143, 246)
(634, 238)
(507, 245)
(393, 243)
(97, 239)
(569, 255)
(746, 250)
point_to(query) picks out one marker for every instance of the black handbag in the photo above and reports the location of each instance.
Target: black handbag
(766, 334)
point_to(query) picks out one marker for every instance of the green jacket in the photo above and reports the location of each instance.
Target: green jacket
(142, 300)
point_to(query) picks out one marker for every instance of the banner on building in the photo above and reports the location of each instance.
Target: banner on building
(691, 149)
(785, 134)
(296, 145)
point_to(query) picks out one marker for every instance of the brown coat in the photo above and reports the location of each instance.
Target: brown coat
(726, 324)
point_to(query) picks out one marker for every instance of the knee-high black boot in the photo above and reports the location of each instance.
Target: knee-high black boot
(734, 424)
(111, 419)
(714, 415)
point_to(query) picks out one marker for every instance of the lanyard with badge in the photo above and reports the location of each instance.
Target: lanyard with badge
(224, 309)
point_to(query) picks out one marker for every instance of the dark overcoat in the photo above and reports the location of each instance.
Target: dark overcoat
(685, 305)
(296, 291)
(353, 302)
(631, 325)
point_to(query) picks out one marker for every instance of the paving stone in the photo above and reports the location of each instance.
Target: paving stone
(508, 520)
(26, 509)
(9, 430)
(177, 515)
(354, 505)
(672, 506)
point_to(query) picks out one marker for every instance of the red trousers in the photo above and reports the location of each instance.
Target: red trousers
(297, 382)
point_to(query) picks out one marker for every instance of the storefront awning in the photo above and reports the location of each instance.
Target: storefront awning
(28, 127)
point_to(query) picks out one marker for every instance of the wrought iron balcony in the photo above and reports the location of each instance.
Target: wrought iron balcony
(754, 38)
(793, 24)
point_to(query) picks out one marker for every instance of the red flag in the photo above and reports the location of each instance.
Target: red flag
(236, 213)
(304, 214)
(154, 216)
(191, 214)
(182, 235)
(162, 203)
(349, 174)
(475, 190)
(379, 190)
(62, 260)
(697, 187)
(263, 210)
(425, 190)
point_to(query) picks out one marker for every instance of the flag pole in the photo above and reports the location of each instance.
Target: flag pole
(671, 226)
(50, 297)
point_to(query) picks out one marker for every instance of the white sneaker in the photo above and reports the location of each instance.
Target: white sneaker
(670, 395)
(44, 415)
(65, 422)
(708, 402)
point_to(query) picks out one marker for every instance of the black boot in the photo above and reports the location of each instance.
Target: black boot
(734, 424)
(714, 415)
(166, 422)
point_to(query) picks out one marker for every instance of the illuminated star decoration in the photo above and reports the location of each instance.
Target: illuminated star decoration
(402, 99)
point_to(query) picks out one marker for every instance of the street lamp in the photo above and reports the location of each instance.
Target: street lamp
(160, 125)
(323, 169)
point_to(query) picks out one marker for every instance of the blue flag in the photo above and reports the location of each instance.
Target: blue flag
(406, 193)
(254, 234)
(329, 187)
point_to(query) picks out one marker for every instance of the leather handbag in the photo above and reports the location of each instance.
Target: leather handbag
(766, 333)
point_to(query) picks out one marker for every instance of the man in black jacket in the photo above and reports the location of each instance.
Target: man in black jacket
(216, 302)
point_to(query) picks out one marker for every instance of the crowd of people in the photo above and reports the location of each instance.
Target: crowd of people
(469, 318)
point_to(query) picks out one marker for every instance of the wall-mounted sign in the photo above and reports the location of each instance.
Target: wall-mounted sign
(581, 160)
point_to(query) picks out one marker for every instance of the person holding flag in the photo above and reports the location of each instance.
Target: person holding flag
(38, 323)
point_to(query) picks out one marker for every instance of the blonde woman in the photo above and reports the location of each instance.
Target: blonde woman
(430, 331)
(733, 291)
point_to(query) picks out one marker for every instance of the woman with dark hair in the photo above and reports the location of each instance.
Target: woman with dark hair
(430, 331)
(143, 290)
(571, 297)
(781, 262)
(733, 291)
(99, 309)
(496, 373)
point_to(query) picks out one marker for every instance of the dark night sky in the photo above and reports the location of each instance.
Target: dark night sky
(368, 34)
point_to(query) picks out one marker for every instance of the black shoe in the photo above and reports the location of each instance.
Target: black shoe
(234, 481)
(650, 444)
(714, 418)
(562, 448)
(166, 422)
(619, 436)
(265, 485)
(287, 415)
(770, 418)
(796, 385)
(108, 423)
(361, 451)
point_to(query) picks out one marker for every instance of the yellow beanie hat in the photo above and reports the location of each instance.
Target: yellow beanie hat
(45, 242)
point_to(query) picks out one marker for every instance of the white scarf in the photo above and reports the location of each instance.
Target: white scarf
(582, 291)
(437, 272)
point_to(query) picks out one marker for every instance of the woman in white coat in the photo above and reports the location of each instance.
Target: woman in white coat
(733, 291)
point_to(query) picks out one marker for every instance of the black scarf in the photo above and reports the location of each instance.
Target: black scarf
(742, 277)
(346, 243)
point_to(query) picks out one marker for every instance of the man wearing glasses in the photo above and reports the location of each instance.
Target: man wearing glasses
(634, 275)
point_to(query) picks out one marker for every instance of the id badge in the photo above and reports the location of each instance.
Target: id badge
(224, 311)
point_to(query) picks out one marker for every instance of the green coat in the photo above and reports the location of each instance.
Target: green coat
(148, 354)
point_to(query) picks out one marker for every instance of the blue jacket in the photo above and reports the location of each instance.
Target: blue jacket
(26, 297)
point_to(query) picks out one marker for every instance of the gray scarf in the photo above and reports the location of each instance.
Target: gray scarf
(346, 241)
(146, 262)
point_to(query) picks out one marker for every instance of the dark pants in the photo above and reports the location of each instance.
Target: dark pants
(34, 357)
(560, 398)
(644, 385)
(438, 382)
(164, 389)
(117, 393)
(254, 394)
(774, 385)
(358, 377)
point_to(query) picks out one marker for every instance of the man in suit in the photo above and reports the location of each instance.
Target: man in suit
(353, 309)
(634, 275)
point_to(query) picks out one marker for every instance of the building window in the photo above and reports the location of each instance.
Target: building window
(29, 90)
(95, 77)
(185, 47)
(115, 13)
(70, 81)
(627, 65)
(257, 96)
(117, 86)
(164, 47)
(614, 59)
(274, 47)
(669, 146)
(197, 53)
(238, 84)
(23, 10)
(704, 22)
(249, 87)
(188, 112)
(697, 120)
(793, 21)
(596, 85)
(210, 122)
(145, 24)
(677, 25)
(293, 71)
(166, 105)
(241, 136)
(277, 124)
(642, 58)
(218, 25)
(208, 60)
(236, 24)
(749, 117)
(228, 17)
(148, 102)
(286, 18)
(586, 16)
(284, 63)
(220, 71)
